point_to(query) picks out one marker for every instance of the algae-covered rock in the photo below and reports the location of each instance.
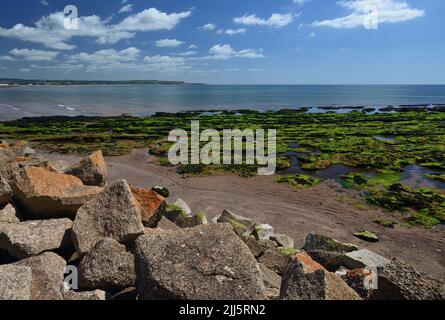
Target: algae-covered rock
(263, 231)
(319, 242)
(283, 240)
(300, 181)
(164, 192)
(240, 224)
(367, 236)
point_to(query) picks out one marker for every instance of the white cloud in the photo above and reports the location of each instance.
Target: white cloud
(49, 30)
(276, 20)
(44, 3)
(6, 58)
(34, 55)
(225, 52)
(126, 8)
(300, 2)
(389, 11)
(25, 70)
(168, 43)
(208, 27)
(105, 58)
(193, 46)
(165, 63)
(187, 53)
(232, 32)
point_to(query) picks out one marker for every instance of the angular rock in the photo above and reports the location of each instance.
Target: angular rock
(319, 242)
(263, 231)
(9, 215)
(114, 213)
(240, 224)
(47, 275)
(152, 205)
(253, 245)
(108, 266)
(184, 206)
(31, 238)
(361, 281)
(191, 222)
(92, 170)
(166, 224)
(5, 192)
(206, 262)
(305, 279)
(43, 193)
(15, 282)
(401, 281)
(283, 240)
(367, 236)
(271, 279)
(164, 192)
(364, 258)
(85, 295)
(275, 261)
(330, 260)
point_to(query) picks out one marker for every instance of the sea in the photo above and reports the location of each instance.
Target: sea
(143, 100)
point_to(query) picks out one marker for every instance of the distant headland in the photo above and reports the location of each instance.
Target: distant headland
(5, 82)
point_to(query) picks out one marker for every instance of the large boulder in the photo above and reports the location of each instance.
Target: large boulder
(16, 282)
(305, 279)
(47, 275)
(364, 258)
(43, 193)
(400, 281)
(207, 262)
(9, 215)
(31, 238)
(152, 205)
(5, 192)
(92, 170)
(108, 267)
(331, 260)
(115, 213)
(241, 225)
(319, 242)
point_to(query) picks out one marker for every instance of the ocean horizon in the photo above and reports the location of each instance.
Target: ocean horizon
(144, 100)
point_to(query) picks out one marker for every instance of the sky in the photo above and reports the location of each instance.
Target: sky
(226, 41)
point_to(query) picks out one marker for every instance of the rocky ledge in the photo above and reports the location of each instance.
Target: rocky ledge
(67, 235)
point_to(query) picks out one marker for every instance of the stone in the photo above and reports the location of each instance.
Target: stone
(5, 192)
(30, 238)
(27, 151)
(330, 260)
(254, 246)
(275, 261)
(45, 194)
(9, 215)
(173, 213)
(319, 242)
(184, 206)
(164, 192)
(114, 213)
(152, 205)
(92, 170)
(166, 224)
(271, 279)
(191, 222)
(204, 263)
(240, 224)
(364, 258)
(47, 275)
(306, 279)
(263, 231)
(85, 295)
(15, 282)
(283, 240)
(361, 280)
(108, 266)
(367, 236)
(400, 281)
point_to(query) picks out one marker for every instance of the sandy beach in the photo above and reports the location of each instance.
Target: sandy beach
(326, 209)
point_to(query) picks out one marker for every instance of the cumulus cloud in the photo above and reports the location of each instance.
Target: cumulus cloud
(388, 11)
(208, 27)
(50, 31)
(6, 58)
(276, 20)
(168, 43)
(232, 32)
(106, 56)
(34, 55)
(44, 3)
(225, 52)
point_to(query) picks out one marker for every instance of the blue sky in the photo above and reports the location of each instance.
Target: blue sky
(240, 42)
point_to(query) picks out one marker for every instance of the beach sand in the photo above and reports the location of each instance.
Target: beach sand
(326, 209)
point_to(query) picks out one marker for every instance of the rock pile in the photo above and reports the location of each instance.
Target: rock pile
(67, 235)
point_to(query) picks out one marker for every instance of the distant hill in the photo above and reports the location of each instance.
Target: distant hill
(83, 82)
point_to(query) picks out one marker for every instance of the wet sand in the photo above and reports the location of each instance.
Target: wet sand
(326, 209)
